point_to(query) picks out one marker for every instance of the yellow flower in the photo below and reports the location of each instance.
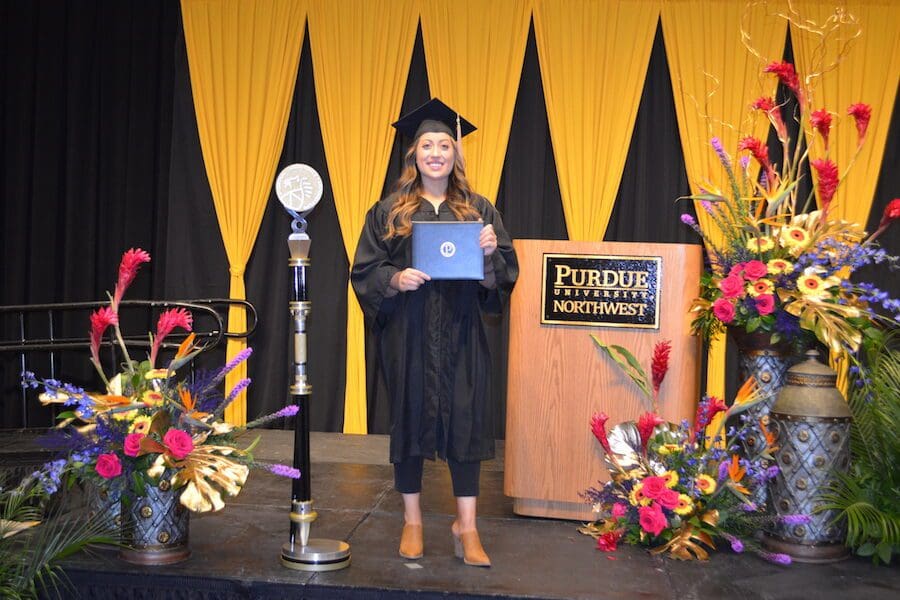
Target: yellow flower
(141, 424)
(666, 449)
(760, 287)
(636, 497)
(125, 415)
(152, 398)
(778, 266)
(760, 244)
(813, 286)
(705, 484)
(795, 238)
(671, 478)
(685, 504)
(156, 374)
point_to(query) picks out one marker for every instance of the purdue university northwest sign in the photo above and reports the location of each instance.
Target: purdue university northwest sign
(601, 291)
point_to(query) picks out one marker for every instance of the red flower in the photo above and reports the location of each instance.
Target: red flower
(761, 153)
(653, 487)
(828, 180)
(755, 269)
(179, 443)
(765, 304)
(723, 310)
(646, 424)
(668, 499)
(821, 121)
(128, 268)
(787, 76)
(608, 541)
(706, 411)
(169, 320)
(598, 426)
(100, 320)
(133, 444)
(652, 519)
(891, 213)
(659, 365)
(732, 286)
(768, 105)
(108, 466)
(861, 112)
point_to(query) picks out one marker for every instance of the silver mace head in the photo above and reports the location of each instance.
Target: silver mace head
(299, 189)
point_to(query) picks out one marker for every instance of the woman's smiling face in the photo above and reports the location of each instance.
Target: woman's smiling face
(435, 155)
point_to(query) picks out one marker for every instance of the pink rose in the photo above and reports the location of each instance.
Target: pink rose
(755, 269)
(133, 444)
(765, 304)
(179, 443)
(668, 499)
(618, 510)
(736, 270)
(653, 487)
(724, 310)
(108, 466)
(732, 286)
(652, 519)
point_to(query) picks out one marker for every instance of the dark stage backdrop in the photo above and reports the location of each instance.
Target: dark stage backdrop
(100, 153)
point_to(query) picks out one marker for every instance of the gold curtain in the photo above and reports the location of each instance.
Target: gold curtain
(474, 51)
(715, 79)
(867, 70)
(361, 51)
(243, 59)
(593, 58)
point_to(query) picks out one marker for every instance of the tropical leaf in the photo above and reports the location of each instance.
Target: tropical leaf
(630, 366)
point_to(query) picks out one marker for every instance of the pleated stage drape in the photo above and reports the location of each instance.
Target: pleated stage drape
(593, 61)
(849, 52)
(243, 58)
(361, 51)
(715, 79)
(474, 52)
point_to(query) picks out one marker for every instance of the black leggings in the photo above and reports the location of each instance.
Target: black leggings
(408, 476)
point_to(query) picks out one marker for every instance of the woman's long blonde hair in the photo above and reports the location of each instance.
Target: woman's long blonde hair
(408, 188)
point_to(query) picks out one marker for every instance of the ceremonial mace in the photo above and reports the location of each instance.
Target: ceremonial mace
(299, 188)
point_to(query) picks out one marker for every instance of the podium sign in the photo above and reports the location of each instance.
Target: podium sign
(607, 291)
(633, 295)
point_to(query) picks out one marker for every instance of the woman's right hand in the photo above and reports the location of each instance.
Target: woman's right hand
(409, 280)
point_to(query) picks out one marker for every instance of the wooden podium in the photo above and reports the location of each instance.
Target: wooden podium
(558, 377)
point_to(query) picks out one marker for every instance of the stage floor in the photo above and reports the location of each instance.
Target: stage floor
(236, 552)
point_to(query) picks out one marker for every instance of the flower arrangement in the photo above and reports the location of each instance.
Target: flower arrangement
(678, 488)
(148, 421)
(777, 268)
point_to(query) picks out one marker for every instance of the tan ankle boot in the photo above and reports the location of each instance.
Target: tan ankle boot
(467, 546)
(411, 544)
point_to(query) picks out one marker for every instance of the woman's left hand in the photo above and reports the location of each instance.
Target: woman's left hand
(488, 239)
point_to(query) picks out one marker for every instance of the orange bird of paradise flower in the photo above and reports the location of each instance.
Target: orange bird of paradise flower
(736, 472)
(770, 437)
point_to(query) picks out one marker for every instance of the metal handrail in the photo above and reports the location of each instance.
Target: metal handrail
(208, 338)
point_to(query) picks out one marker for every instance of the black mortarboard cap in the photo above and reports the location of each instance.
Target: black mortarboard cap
(434, 115)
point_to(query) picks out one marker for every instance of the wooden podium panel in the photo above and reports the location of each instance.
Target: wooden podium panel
(558, 377)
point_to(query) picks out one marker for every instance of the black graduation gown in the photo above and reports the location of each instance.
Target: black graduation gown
(432, 346)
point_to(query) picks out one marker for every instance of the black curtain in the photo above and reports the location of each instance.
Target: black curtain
(100, 153)
(86, 102)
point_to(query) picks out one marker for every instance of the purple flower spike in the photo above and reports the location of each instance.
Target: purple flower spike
(288, 411)
(723, 156)
(795, 519)
(688, 220)
(285, 471)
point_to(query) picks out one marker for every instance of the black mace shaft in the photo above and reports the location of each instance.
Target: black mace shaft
(301, 552)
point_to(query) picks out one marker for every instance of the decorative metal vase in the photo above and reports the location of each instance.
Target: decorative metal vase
(155, 526)
(811, 422)
(767, 363)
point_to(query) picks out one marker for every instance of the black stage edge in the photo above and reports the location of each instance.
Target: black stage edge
(236, 551)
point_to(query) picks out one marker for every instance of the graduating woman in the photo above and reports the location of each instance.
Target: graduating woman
(432, 346)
